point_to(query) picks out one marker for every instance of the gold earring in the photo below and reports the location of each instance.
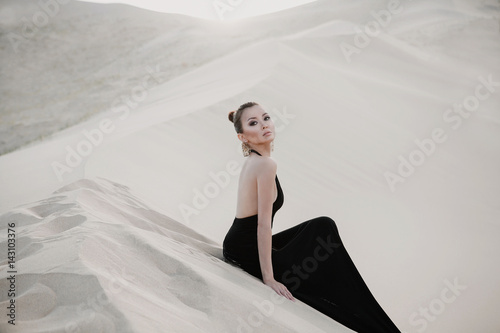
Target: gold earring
(245, 148)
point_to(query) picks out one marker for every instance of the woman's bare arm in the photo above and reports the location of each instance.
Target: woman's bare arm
(265, 192)
(265, 195)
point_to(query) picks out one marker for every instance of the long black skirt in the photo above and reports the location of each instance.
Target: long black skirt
(312, 262)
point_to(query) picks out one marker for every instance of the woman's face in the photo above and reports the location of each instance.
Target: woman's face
(258, 127)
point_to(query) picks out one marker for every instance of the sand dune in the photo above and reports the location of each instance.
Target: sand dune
(127, 237)
(96, 259)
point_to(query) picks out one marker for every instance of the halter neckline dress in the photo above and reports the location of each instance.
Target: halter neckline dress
(312, 262)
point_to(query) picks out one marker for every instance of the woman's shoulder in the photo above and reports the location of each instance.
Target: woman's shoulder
(262, 166)
(266, 161)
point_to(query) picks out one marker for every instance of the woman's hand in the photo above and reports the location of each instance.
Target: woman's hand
(279, 288)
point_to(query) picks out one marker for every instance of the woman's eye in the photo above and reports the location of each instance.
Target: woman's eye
(255, 122)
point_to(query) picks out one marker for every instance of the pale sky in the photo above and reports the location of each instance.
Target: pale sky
(212, 9)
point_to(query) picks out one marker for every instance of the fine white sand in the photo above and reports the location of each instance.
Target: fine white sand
(126, 236)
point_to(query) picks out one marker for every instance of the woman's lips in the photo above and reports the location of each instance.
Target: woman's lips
(268, 133)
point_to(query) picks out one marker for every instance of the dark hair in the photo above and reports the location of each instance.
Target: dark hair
(235, 116)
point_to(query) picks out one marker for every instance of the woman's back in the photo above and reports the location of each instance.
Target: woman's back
(240, 245)
(247, 201)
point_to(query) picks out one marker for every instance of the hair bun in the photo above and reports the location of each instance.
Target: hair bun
(231, 116)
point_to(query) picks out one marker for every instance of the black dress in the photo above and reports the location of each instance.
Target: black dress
(311, 261)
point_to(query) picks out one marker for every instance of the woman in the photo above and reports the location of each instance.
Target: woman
(308, 261)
